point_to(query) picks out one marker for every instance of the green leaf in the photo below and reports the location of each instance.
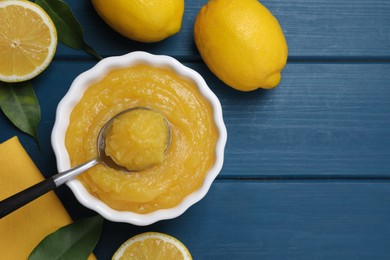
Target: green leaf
(20, 105)
(74, 241)
(69, 30)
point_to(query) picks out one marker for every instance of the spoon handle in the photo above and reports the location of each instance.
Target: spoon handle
(62, 177)
(22, 198)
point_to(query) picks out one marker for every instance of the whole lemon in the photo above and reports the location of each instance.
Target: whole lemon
(140, 20)
(242, 43)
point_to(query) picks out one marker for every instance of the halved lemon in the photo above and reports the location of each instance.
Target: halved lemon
(152, 245)
(28, 40)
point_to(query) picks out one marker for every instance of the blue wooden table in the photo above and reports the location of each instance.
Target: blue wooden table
(307, 166)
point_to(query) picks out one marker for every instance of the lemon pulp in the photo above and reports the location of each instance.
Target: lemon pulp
(152, 245)
(28, 40)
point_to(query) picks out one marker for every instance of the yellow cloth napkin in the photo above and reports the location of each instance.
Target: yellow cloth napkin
(22, 230)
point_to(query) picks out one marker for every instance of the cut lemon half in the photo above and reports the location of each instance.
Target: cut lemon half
(152, 245)
(28, 40)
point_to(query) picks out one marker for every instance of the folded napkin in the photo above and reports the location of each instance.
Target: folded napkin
(22, 230)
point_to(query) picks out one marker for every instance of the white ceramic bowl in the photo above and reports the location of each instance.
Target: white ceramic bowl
(97, 73)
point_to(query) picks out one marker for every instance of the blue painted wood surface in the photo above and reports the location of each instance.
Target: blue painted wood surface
(307, 169)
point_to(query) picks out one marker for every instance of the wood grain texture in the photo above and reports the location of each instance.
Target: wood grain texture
(324, 120)
(278, 220)
(314, 29)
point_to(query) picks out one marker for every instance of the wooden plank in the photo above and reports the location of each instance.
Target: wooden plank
(277, 220)
(324, 120)
(349, 29)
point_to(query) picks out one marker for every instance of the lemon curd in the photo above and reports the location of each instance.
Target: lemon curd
(193, 138)
(137, 139)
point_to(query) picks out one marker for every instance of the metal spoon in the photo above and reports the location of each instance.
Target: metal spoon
(22, 198)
